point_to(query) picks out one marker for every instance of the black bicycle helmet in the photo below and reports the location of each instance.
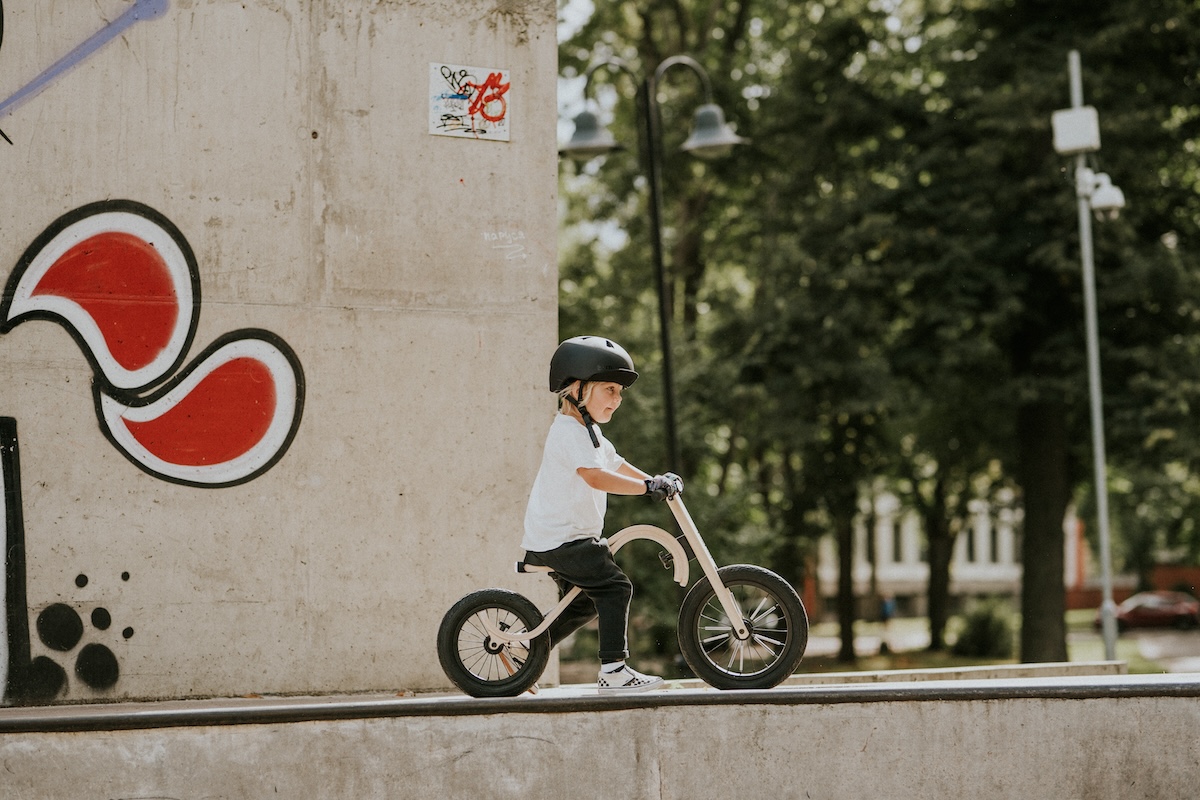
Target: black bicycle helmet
(590, 358)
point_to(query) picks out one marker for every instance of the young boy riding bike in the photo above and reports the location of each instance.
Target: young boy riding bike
(564, 520)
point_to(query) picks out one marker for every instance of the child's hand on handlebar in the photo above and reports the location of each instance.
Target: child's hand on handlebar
(664, 487)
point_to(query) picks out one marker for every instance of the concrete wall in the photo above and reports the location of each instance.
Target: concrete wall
(1122, 738)
(411, 277)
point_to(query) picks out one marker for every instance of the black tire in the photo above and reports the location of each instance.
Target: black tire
(778, 630)
(481, 667)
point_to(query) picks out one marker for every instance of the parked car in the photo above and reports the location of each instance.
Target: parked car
(1157, 610)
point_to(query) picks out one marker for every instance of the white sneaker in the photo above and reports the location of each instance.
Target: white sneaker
(626, 680)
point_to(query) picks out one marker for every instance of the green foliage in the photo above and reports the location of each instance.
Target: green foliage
(987, 632)
(887, 278)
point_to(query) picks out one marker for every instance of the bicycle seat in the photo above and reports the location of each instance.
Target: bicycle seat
(526, 567)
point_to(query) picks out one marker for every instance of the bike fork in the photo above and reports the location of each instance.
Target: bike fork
(709, 567)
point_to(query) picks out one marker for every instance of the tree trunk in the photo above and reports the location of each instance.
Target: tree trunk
(1044, 474)
(941, 551)
(871, 521)
(844, 527)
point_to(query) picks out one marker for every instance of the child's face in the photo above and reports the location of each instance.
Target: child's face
(605, 399)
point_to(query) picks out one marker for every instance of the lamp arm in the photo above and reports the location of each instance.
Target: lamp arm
(615, 63)
(691, 64)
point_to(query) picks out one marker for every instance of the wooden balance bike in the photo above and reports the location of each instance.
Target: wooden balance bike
(740, 626)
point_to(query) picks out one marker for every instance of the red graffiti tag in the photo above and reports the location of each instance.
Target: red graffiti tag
(488, 94)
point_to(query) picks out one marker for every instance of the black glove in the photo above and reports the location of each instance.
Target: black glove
(664, 487)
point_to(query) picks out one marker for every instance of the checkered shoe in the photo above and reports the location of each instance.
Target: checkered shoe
(626, 680)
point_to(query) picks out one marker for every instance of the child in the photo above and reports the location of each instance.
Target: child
(565, 516)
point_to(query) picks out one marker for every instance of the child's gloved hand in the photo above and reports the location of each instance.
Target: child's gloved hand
(664, 487)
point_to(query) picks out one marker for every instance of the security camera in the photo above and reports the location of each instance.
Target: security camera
(1106, 200)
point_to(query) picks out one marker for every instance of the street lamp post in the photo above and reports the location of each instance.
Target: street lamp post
(711, 137)
(1077, 132)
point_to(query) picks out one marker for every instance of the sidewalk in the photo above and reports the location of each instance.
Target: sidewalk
(901, 638)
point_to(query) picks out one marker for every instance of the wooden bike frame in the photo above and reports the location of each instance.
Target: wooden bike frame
(679, 560)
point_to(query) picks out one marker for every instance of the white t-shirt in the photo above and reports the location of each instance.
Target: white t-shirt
(562, 507)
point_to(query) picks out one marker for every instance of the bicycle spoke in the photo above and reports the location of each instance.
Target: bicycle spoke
(768, 639)
(756, 614)
(761, 614)
(765, 643)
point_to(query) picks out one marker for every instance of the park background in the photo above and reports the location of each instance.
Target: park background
(877, 301)
(879, 293)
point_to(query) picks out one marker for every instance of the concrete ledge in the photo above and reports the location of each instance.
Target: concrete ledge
(570, 699)
(1122, 737)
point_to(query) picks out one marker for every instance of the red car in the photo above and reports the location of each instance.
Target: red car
(1157, 610)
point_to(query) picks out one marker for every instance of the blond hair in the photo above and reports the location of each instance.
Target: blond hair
(567, 394)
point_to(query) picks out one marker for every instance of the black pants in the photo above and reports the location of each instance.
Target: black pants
(606, 594)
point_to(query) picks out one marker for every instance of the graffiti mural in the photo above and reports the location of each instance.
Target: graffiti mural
(123, 280)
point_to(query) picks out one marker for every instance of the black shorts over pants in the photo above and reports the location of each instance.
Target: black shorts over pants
(606, 594)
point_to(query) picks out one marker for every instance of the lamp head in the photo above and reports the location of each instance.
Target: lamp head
(1076, 130)
(711, 135)
(590, 139)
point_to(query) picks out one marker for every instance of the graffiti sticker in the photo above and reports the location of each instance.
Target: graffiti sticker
(468, 102)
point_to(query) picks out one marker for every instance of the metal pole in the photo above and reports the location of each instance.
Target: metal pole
(654, 173)
(1108, 618)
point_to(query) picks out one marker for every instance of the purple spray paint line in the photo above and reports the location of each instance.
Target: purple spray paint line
(15, 672)
(140, 10)
(2, 133)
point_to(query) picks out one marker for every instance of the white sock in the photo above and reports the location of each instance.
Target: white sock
(615, 666)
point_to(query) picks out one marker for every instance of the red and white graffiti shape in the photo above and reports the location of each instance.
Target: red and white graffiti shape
(124, 281)
(226, 419)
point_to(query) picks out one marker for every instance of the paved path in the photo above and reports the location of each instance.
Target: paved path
(1177, 651)
(868, 644)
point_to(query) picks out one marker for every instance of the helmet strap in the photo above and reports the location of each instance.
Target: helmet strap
(588, 422)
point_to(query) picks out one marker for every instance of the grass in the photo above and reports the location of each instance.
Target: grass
(1083, 644)
(578, 663)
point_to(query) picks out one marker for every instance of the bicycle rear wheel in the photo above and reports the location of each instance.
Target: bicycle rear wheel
(480, 666)
(772, 612)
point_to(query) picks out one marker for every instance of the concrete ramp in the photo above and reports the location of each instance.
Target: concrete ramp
(1085, 737)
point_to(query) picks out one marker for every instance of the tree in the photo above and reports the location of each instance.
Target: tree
(887, 280)
(990, 247)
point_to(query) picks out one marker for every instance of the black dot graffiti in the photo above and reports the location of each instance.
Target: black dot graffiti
(46, 678)
(101, 619)
(61, 628)
(97, 666)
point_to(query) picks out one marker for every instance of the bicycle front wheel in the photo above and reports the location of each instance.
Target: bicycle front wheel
(481, 666)
(771, 611)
